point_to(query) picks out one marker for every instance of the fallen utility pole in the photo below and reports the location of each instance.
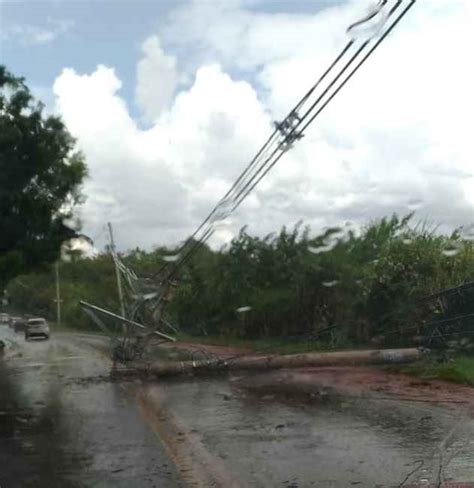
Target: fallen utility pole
(344, 358)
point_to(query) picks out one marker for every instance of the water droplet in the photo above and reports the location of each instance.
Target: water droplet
(415, 203)
(330, 284)
(337, 233)
(451, 249)
(171, 258)
(243, 309)
(370, 24)
(320, 249)
(222, 224)
(223, 210)
(333, 238)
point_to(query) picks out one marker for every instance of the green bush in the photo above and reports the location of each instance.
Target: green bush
(341, 286)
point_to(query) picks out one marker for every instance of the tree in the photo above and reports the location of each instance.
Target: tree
(40, 179)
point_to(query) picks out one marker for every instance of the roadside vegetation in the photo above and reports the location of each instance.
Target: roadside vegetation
(458, 369)
(342, 288)
(41, 173)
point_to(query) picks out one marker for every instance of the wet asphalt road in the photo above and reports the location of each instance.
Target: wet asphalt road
(272, 438)
(62, 425)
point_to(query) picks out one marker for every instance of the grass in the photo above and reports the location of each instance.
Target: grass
(458, 369)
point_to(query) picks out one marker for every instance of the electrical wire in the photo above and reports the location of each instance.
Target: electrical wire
(258, 167)
(354, 57)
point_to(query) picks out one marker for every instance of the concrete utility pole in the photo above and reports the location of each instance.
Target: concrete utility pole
(58, 296)
(117, 271)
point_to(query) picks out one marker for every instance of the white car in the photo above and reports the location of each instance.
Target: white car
(37, 327)
(4, 319)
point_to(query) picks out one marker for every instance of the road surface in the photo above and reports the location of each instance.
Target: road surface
(64, 424)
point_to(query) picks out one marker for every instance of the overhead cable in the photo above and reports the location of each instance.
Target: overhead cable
(293, 126)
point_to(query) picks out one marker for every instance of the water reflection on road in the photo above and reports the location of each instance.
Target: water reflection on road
(61, 428)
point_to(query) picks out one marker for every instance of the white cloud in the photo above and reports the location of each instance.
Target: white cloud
(156, 79)
(156, 184)
(34, 34)
(398, 132)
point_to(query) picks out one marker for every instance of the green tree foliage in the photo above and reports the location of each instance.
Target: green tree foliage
(40, 178)
(347, 285)
(356, 286)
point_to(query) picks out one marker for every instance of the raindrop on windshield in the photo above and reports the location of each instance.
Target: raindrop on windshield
(414, 203)
(223, 210)
(333, 238)
(243, 309)
(330, 284)
(321, 248)
(222, 224)
(171, 258)
(451, 249)
(370, 24)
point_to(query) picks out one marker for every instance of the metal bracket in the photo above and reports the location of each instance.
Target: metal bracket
(287, 130)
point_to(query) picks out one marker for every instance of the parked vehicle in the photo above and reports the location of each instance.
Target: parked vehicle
(4, 319)
(11, 324)
(37, 327)
(19, 324)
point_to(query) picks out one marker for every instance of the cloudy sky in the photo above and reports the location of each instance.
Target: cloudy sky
(169, 100)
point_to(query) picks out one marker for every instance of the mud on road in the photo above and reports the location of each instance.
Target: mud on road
(63, 423)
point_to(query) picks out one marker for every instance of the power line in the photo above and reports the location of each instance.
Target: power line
(354, 57)
(287, 132)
